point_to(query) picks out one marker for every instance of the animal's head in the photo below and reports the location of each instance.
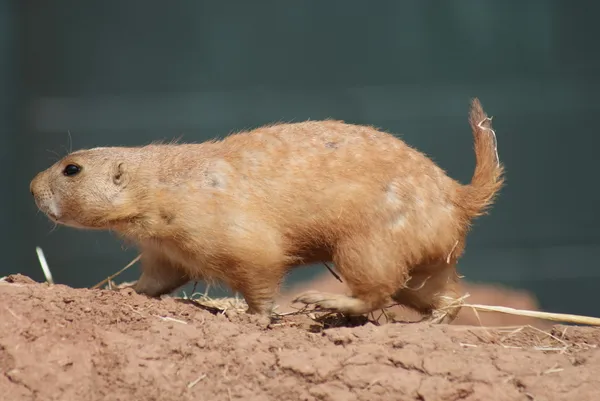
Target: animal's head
(86, 189)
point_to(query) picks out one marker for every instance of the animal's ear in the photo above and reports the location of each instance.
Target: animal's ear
(120, 174)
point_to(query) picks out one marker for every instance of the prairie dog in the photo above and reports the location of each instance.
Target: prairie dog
(245, 209)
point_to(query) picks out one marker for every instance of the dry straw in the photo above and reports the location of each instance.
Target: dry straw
(44, 265)
(109, 278)
(556, 317)
(221, 305)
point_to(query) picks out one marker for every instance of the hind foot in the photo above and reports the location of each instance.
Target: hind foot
(335, 303)
(440, 316)
(434, 292)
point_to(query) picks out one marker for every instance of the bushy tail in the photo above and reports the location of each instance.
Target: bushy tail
(488, 176)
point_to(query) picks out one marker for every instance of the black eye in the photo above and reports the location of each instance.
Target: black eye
(71, 169)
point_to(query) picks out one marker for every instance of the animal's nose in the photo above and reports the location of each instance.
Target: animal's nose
(31, 187)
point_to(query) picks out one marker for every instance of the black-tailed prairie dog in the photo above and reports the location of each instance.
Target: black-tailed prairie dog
(245, 209)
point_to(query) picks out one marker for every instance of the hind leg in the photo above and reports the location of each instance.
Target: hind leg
(433, 291)
(371, 274)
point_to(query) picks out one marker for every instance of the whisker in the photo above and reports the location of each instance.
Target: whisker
(70, 142)
(54, 153)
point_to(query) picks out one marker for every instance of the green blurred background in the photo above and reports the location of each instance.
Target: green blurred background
(130, 72)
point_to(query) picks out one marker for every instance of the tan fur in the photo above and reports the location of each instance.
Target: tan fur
(246, 209)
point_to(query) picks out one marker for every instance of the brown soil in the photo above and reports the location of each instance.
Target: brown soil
(60, 343)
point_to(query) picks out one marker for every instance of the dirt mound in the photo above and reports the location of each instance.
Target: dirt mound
(59, 343)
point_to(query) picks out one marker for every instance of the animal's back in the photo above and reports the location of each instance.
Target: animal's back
(311, 179)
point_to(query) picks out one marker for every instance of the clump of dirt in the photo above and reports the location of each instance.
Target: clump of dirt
(60, 343)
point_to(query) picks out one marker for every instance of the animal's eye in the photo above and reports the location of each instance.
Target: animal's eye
(71, 169)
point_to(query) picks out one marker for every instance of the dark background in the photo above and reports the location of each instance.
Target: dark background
(130, 72)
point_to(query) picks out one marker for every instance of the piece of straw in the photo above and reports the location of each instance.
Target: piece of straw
(109, 278)
(557, 317)
(337, 276)
(193, 383)
(222, 304)
(44, 264)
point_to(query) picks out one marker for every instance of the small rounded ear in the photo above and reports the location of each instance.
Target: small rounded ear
(119, 174)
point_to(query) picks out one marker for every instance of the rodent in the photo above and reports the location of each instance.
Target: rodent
(245, 209)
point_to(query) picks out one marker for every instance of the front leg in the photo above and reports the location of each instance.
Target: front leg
(159, 275)
(258, 284)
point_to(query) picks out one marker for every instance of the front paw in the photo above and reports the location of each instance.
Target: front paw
(125, 284)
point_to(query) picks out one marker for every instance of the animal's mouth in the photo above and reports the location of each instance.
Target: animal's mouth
(52, 216)
(48, 209)
(63, 220)
(52, 212)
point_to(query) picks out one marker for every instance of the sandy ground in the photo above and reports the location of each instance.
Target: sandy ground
(60, 343)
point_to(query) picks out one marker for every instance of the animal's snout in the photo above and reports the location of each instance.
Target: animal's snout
(33, 186)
